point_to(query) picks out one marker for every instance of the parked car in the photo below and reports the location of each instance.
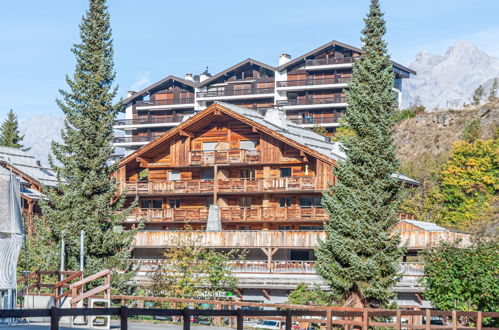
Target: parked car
(269, 324)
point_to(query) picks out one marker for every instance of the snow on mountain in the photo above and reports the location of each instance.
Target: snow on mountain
(39, 132)
(448, 81)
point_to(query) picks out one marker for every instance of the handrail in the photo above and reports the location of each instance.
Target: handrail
(314, 81)
(91, 278)
(235, 92)
(317, 100)
(166, 102)
(326, 61)
(77, 293)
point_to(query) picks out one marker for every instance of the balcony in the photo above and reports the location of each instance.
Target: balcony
(266, 214)
(321, 121)
(314, 83)
(234, 94)
(169, 215)
(130, 141)
(231, 156)
(165, 104)
(310, 103)
(167, 121)
(231, 238)
(329, 63)
(234, 185)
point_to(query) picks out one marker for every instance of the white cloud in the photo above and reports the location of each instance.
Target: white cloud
(143, 79)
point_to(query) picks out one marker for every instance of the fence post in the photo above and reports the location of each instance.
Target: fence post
(329, 320)
(479, 320)
(239, 319)
(365, 320)
(399, 320)
(454, 320)
(54, 318)
(123, 317)
(427, 319)
(186, 319)
(289, 319)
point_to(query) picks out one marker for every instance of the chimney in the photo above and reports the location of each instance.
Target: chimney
(284, 58)
(188, 76)
(130, 93)
(205, 75)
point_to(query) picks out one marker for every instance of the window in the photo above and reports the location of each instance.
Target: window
(310, 228)
(247, 173)
(248, 144)
(174, 175)
(207, 174)
(174, 203)
(245, 202)
(285, 172)
(310, 201)
(299, 255)
(283, 227)
(209, 146)
(243, 228)
(151, 204)
(285, 201)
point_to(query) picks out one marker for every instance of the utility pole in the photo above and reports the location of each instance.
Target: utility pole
(82, 251)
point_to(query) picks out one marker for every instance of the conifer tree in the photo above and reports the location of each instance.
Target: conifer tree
(9, 132)
(493, 90)
(477, 95)
(358, 258)
(85, 199)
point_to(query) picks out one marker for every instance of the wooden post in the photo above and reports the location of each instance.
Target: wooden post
(124, 317)
(329, 320)
(427, 317)
(239, 319)
(187, 320)
(454, 320)
(215, 184)
(479, 320)
(289, 319)
(217, 318)
(54, 318)
(365, 320)
(398, 326)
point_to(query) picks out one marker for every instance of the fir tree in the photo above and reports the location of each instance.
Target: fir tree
(85, 199)
(9, 132)
(493, 90)
(359, 258)
(477, 95)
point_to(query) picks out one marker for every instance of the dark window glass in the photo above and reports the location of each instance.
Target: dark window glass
(285, 201)
(310, 201)
(283, 227)
(244, 228)
(299, 255)
(310, 228)
(248, 173)
(285, 172)
(157, 204)
(207, 174)
(144, 204)
(174, 203)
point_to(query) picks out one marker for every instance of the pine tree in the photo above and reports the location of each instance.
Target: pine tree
(493, 90)
(85, 199)
(358, 258)
(9, 132)
(477, 95)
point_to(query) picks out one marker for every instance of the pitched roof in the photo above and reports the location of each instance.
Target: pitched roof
(334, 43)
(232, 68)
(157, 84)
(27, 166)
(426, 226)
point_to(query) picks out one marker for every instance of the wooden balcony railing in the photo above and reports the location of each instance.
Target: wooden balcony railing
(273, 214)
(165, 102)
(231, 156)
(314, 81)
(303, 183)
(327, 61)
(169, 215)
(152, 120)
(310, 101)
(234, 92)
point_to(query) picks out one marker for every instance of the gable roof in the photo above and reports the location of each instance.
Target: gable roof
(157, 84)
(426, 226)
(232, 68)
(334, 43)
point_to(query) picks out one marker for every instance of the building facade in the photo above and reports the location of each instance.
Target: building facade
(310, 89)
(236, 178)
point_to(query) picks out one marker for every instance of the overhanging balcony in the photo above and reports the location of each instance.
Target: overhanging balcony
(165, 121)
(331, 121)
(313, 103)
(133, 141)
(231, 156)
(329, 63)
(178, 103)
(314, 83)
(235, 94)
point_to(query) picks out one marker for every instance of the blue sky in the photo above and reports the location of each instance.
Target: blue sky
(154, 38)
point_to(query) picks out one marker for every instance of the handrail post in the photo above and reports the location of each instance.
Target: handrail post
(123, 318)
(186, 319)
(479, 320)
(427, 319)
(365, 320)
(239, 319)
(289, 319)
(454, 320)
(54, 318)
(399, 320)
(329, 320)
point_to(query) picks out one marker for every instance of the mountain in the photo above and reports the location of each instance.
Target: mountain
(39, 132)
(449, 80)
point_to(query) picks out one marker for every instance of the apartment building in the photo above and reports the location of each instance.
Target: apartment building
(310, 89)
(230, 177)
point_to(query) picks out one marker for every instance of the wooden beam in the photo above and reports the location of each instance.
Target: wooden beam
(254, 130)
(185, 133)
(266, 294)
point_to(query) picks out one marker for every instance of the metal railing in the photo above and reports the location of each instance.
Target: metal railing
(132, 139)
(152, 120)
(234, 92)
(314, 81)
(328, 61)
(165, 102)
(317, 120)
(310, 101)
